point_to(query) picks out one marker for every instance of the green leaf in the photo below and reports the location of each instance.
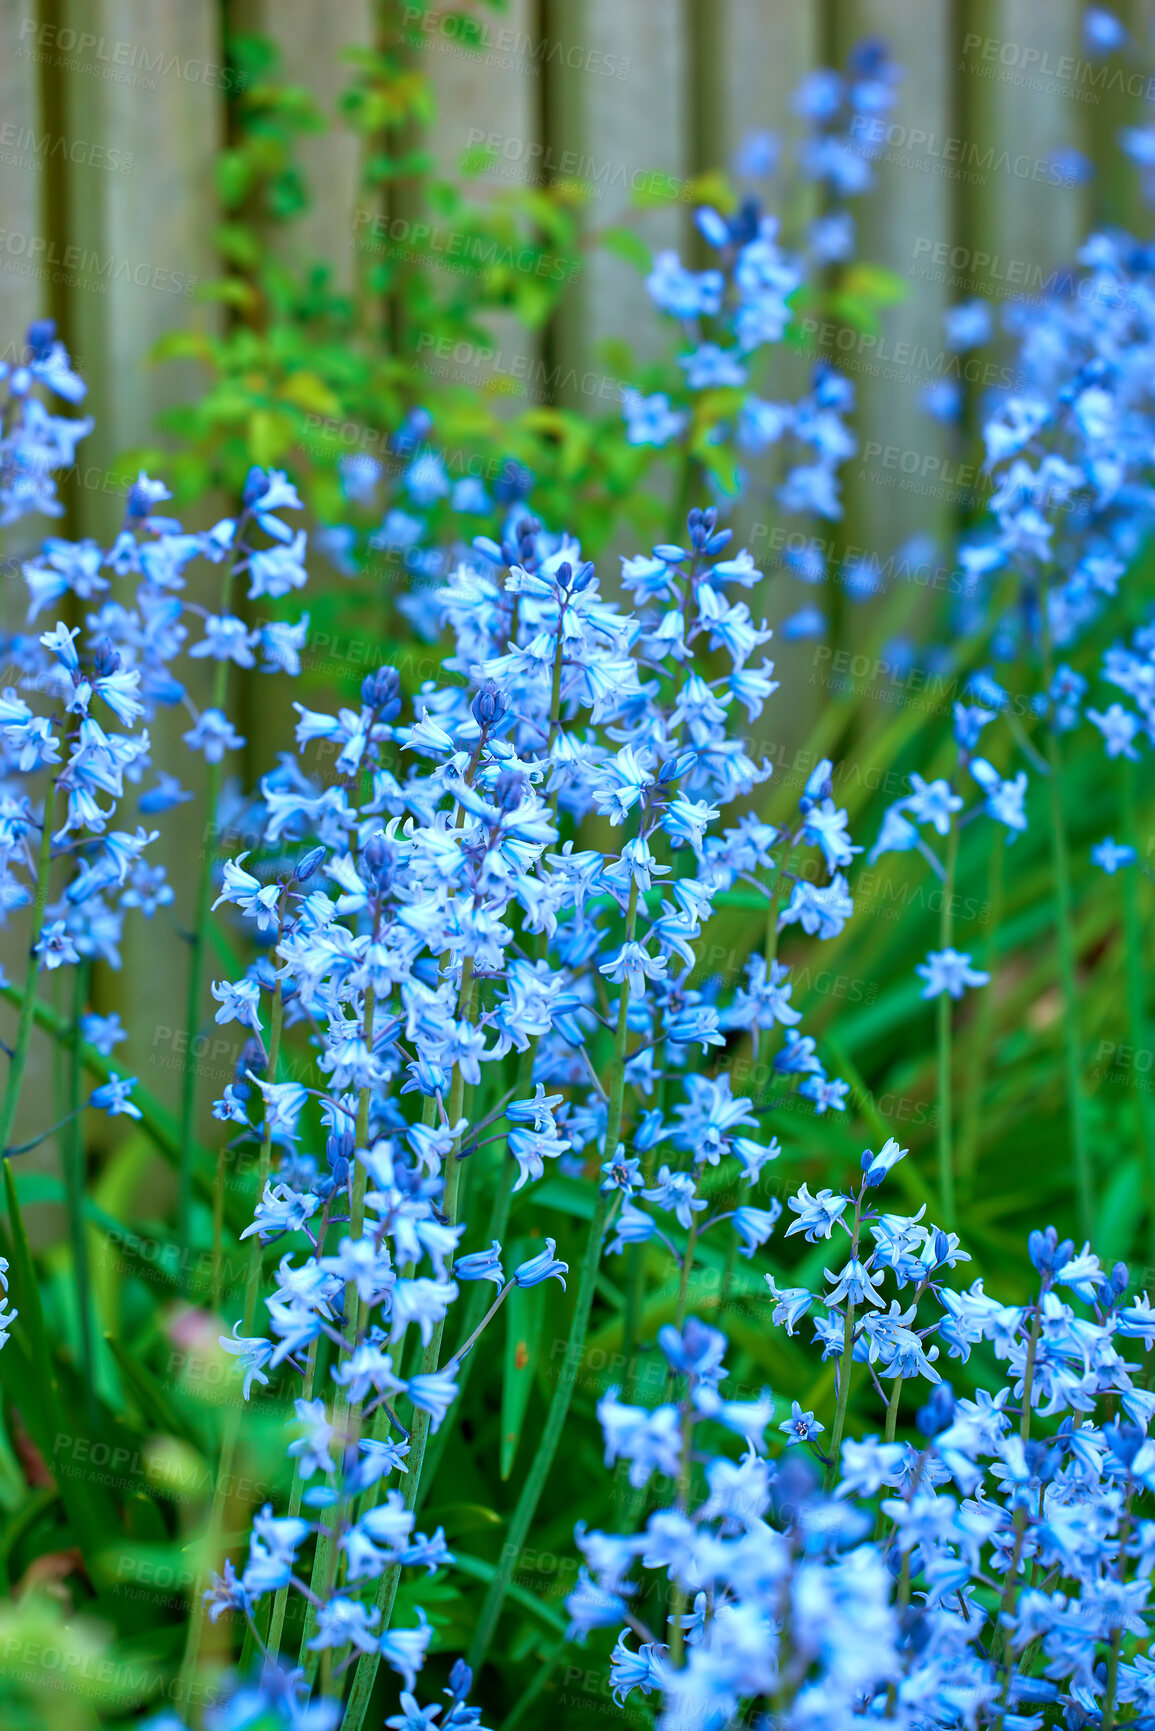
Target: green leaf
(523, 1317)
(480, 1570)
(154, 1401)
(156, 1119)
(873, 282)
(567, 1195)
(624, 243)
(62, 1431)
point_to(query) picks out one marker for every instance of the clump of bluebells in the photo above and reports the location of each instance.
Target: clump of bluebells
(34, 443)
(1059, 548)
(425, 923)
(993, 1569)
(74, 741)
(440, 932)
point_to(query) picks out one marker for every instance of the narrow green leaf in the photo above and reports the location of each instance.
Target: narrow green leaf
(152, 1398)
(523, 1316)
(624, 243)
(480, 1570)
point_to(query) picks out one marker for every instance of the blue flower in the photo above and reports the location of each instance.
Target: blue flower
(800, 1427)
(543, 1266)
(1109, 855)
(949, 971)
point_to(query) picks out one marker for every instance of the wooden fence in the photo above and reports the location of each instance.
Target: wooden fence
(112, 111)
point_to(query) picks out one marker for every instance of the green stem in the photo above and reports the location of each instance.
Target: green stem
(944, 1008)
(196, 980)
(72, 1160)
(24, 1021)
(1010, 1586)
(727, 1281)
(1108, 1720)
(1136, 990)
(325, 1557)
(1084, 1182)
(679, 1597)
(844, 1368)
(198, 945)
(892, 1409)
(498, 1221)
(233, 1421)
(535, 1482)
(534, 1486)
(981, 1029)
(684, 1277)
(366, 1673)
(281, 1597)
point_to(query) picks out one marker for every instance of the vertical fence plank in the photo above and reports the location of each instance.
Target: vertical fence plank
(22, 294)
(911, 208)
(141, 232)
(764, 47)
(1020, 80)
(25, 294)
(142, 239)
(759, 51)
(490, 97)
(622, 106)
(310, 38)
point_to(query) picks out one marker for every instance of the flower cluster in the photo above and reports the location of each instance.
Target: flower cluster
(35, 444)
(994, 1569)
(436, 934)
(73, 748)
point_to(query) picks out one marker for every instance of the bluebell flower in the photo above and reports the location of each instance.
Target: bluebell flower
(254, 1354)
(115, 1096)
(968, 325)
(650, 420)
(800, 1427)
(481, 1265)
(1109, 855)
(710, 367)
(949, 971)
(214, 735)
(1102, 31)
(543, 1266)
(1119, 728)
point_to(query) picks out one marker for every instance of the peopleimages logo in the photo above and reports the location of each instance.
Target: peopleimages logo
(1031, 67)
(36, 250)
(119, 61)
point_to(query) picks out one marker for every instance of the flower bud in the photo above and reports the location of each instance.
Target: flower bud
(514, 483)
(417, 425)
(255, 488)
(252, 1058)
(381, 691)
(308, 864)
(379, 860)
(40, 337)
(105, 659)
(509, 790)
(489, 705)
(460, 1680)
